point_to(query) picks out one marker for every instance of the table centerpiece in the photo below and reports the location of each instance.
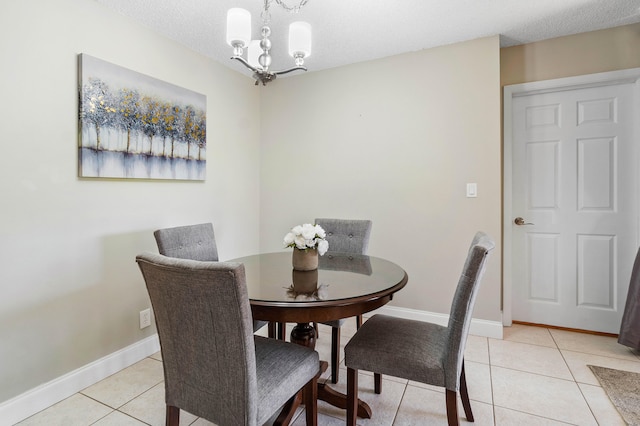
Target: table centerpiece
(308, 241)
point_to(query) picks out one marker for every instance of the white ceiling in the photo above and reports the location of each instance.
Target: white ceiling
(349, 31)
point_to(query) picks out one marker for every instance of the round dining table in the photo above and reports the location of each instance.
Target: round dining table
(344, 285)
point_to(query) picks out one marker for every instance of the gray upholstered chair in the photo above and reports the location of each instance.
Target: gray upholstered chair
(214, 366)
(344, 236)
(421, 351)
(195, 242)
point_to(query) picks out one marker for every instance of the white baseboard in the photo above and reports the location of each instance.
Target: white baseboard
(47, 394)
(479, 327)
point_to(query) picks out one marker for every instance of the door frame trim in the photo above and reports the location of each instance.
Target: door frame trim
(556, 85)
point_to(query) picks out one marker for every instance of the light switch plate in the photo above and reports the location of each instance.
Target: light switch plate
(472, 190)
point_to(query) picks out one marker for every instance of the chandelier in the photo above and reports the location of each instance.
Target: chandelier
(258, 56)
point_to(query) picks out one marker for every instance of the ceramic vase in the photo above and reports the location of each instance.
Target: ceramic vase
(305, 260)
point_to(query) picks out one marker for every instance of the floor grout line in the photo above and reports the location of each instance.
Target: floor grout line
(595, 347)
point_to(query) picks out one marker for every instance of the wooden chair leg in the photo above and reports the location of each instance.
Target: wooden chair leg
(464, 395)
(310, 395)
(173, 416)
(282, 330)
(452, 408)
(272, 329)
(377, 383)
(335, 354)
(358, 322)
(352, 396)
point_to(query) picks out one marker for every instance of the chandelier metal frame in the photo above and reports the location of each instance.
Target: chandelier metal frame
(261, 72)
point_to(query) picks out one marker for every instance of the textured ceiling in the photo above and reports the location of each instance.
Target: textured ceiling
(349, 31)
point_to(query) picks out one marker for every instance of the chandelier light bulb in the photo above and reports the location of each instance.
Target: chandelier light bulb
(300, 39)
(238, 29)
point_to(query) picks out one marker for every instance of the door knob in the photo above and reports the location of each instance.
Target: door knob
(520, 221)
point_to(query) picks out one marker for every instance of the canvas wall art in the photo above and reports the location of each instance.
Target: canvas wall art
(136, 126)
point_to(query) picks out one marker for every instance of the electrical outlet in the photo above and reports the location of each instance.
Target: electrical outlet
(145, 318)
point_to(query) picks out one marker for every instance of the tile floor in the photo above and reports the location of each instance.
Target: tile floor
(535, 376)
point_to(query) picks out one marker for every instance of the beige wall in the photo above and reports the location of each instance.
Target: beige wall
(71, 290)
(394, 140)
(586, 53)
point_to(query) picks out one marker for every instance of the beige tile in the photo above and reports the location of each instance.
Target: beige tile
(323, 420)
(591, 344)
(75, 410)
(150, 408)
(323, 346)
(384, 406)
(127, 384)
(343, 374)
(349, 327)
(157, 356)
(116, 418)
(578, 361)
(425, 407)
(477, 349)
(601, 406)
(264, 332)
(478, 382)
(426, 386)
(527, 334)
(526, 357)
(506, 417)
(274, 417)
(542, 396)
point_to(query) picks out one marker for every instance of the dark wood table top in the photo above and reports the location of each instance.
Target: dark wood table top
(344, 285)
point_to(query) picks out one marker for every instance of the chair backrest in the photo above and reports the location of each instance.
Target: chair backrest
(204, 322)
(462, 306)
(346, 235)
(196, 242)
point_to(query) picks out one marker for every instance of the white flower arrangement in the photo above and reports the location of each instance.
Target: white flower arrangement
(307, 236)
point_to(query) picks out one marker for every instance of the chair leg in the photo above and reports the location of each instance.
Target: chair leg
(310, 395)
(352, 396)
(377, 383)
(335, 354)
(464, 395)
(173, 416)
(272, 329)
(452, 408)
(282, 330)
(358, 322)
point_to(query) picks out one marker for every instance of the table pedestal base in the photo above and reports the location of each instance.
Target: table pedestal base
(305, 334)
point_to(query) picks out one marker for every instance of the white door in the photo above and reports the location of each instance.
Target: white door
(574, 185)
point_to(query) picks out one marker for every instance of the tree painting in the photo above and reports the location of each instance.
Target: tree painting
(135, 126)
